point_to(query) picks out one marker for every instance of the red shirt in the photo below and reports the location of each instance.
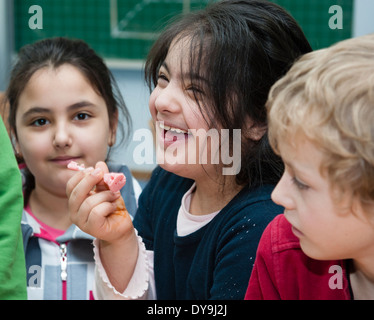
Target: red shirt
(283, 271)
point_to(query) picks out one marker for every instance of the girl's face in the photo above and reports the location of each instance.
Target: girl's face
(327, 229)
(61, 118)
(180, 127)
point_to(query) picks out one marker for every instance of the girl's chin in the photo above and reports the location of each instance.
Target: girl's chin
(182, 170)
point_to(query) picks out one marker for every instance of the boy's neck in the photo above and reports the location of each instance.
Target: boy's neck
(362, 280)
(49, 208)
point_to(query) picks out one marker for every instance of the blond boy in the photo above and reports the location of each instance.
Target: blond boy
(321, 122)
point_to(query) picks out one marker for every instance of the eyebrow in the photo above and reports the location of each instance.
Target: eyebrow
(302, 171)
(165, 65)
(38, 110)
(291, 165)
(198, 77)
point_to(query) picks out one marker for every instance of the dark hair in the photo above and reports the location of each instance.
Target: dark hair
(53, 53)
(242, 47)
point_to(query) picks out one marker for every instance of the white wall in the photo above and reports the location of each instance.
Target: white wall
(363, 21)
(136, 95)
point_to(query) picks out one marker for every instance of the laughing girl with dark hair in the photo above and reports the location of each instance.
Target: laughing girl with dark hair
(196, 231)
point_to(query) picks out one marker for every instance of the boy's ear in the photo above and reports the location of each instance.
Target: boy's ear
(362, 210)
(113, 128)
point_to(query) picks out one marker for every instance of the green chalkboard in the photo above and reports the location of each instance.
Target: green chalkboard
(313, 16)
(125, 29)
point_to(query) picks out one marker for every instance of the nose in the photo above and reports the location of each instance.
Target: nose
(165, 100)
(282, 193)
(62, 138)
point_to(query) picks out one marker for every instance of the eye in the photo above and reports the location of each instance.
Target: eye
(40, 122)
(195, 90)
(162, 78)
(195, 87)
(82, 116)
(299, 185)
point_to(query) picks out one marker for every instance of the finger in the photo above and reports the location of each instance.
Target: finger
(91, 209)
(75, 179)
(97, 222)
(78, 194)
(108, 225)
(101, 185)
(102, 165)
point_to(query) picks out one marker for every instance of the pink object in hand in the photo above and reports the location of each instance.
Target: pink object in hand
(115, 181)
(75, 166)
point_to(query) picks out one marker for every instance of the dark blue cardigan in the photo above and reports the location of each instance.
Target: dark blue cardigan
(214, 262)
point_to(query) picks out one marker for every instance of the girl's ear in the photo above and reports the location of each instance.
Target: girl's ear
(254, 131)
(113, 129)
(15, 144)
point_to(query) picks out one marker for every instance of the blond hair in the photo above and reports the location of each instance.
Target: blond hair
(328, 95)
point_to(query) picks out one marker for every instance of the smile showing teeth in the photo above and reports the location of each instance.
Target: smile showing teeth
(165, 127)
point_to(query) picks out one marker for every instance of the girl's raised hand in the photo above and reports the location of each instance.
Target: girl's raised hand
(92, 211)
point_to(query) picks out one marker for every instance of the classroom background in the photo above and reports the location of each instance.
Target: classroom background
(122, 32)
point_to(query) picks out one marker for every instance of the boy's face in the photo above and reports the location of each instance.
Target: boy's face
(327, 229)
